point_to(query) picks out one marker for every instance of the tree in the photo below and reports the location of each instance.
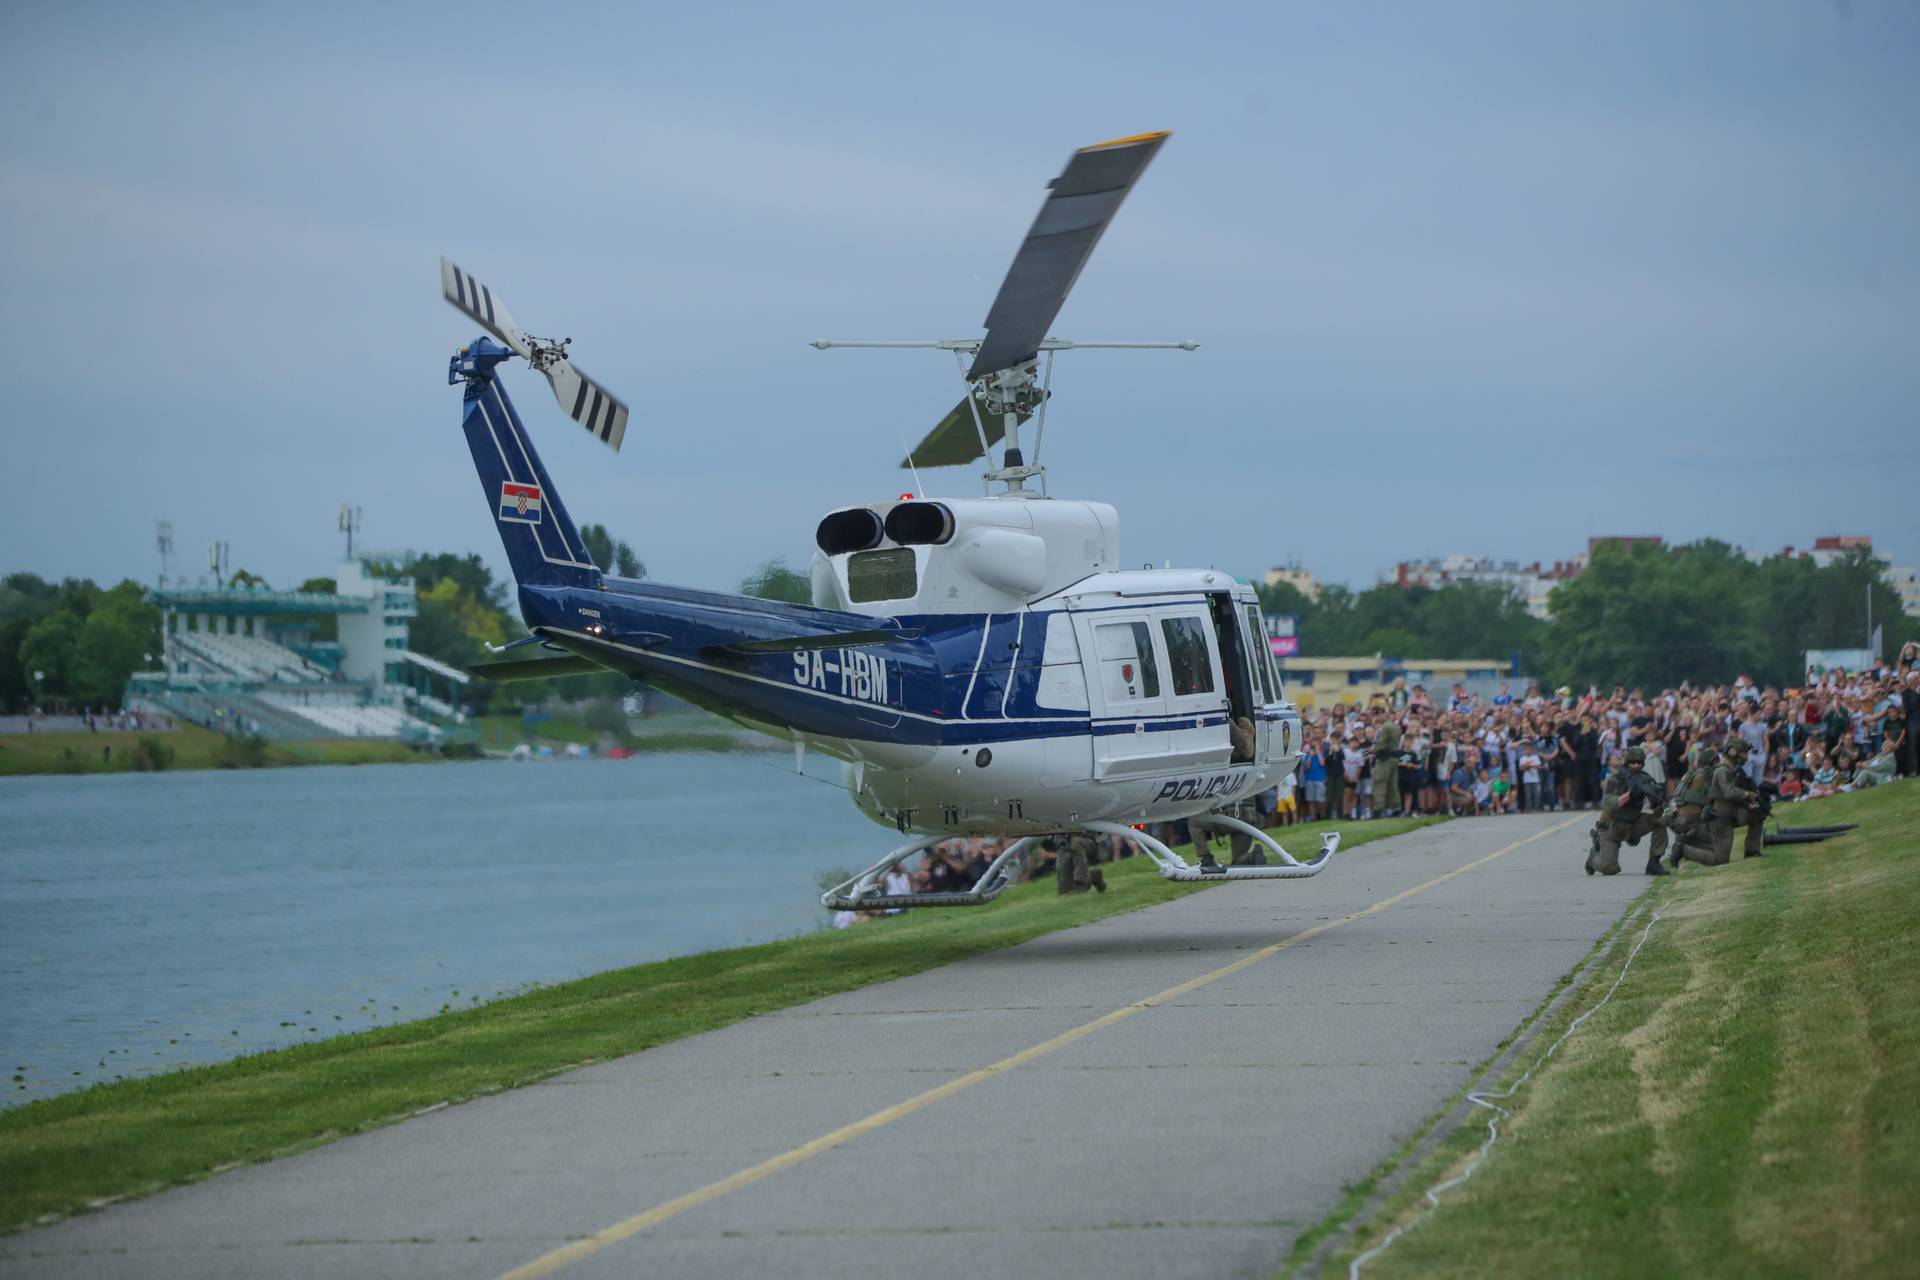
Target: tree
(610, 553)
(47, 648)
(774, 580)
(114, 642)
(1477, 620)
(1650, 617)
(452, 625)
(469, 572)
(599, 545)
(25, 599)
(326, 626)
(243, 578)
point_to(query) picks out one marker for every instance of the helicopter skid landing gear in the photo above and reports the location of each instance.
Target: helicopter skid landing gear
(865, 892)
(1174, 867)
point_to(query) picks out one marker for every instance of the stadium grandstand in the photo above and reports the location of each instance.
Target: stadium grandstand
(254, 660)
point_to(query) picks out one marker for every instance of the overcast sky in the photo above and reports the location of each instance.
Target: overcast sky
(1480, 278)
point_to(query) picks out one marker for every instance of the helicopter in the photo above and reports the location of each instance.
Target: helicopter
(981, 666)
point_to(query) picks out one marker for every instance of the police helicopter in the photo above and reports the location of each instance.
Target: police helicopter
(982, 666)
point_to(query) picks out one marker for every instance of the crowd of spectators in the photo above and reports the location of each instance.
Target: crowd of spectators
(1543, 751)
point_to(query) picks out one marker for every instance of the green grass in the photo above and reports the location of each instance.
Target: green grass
(59, 1155)
(191, 748)
(1747, 1104)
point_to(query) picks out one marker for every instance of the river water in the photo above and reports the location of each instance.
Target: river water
(149, 921)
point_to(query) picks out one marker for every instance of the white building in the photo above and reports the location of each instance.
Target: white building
(1531, 582)
(1296, 577)
(374, 643)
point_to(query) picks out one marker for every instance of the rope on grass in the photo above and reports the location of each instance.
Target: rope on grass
(1486, 1098)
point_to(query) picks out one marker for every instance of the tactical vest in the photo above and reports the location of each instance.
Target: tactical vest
(1693, 787)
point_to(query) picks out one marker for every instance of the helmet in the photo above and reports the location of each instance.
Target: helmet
(1635, 755)
(1736, 749)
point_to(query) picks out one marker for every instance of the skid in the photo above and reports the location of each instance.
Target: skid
(864, 893)
(1174, 867)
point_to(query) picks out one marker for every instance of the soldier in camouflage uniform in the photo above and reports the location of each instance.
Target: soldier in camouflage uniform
(1730, 803)
(1244, 854)
(1386, 768)
(1073, 869)
(1684, 813)
(1628, 804)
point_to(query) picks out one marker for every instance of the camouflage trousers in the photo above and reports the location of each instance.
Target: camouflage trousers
(1711, 844)
(1610, 833)
(1386, 787)
(1073, 869)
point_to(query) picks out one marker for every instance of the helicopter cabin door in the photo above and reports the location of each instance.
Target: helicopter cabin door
(1127, 682)
(1197, 734)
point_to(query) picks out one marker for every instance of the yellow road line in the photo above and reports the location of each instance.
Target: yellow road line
(552, 1262)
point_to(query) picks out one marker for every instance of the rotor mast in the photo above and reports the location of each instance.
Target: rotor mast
(1011, 395)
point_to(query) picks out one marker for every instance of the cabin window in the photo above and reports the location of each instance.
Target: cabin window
(882, 575)
(1128, 672)
(1189, 665)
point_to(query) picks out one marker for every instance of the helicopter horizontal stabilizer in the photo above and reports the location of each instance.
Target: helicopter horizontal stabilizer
(1075, 214)
(836, 640)
(534, 668)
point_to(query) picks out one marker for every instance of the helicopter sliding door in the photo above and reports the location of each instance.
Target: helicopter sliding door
(1196, 736)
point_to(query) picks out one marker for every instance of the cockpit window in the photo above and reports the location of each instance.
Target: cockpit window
(1268, 670)
(891, 574)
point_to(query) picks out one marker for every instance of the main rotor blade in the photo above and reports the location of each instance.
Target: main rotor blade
(588, 403)
(956, 440)
(479, 304)
(1075, 214)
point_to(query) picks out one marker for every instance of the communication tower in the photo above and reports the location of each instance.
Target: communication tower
(163, 539)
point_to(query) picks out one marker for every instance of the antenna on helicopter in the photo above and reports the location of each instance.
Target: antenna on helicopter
(584, 400)
(1002, 389)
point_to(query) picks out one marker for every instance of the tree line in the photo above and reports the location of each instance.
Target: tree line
(1640, 615)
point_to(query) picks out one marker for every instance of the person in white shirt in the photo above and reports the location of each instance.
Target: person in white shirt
(1530, 778)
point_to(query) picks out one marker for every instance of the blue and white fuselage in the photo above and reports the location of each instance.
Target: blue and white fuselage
(982, 665)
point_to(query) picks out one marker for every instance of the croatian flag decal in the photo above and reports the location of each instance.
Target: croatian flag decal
(520, 503)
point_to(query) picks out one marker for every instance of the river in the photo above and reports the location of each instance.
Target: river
(149, 921)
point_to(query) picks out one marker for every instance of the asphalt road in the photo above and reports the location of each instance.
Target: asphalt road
(1175, 1092)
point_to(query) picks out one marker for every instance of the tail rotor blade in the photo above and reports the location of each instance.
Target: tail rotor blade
(480, 306)
(588, 403)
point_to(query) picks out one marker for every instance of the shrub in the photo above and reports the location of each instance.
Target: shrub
(151, 755)
(241, 751)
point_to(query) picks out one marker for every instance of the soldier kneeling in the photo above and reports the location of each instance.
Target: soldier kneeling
(1627, 807)
(1731, 801)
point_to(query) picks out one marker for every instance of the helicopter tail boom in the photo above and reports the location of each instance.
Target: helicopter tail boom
(542, 544)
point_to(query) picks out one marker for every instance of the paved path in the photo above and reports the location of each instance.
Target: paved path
(1192, 1135)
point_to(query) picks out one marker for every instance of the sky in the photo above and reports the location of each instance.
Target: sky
(1483, 278)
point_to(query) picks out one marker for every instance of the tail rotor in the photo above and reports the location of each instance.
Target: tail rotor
(581, 398)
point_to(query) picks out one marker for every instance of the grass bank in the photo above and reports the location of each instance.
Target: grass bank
(60, 1155)
(1744, 1105)
(668, 732)
(185, 747)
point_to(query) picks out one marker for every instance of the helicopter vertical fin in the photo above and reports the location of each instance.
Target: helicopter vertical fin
(541, 542)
